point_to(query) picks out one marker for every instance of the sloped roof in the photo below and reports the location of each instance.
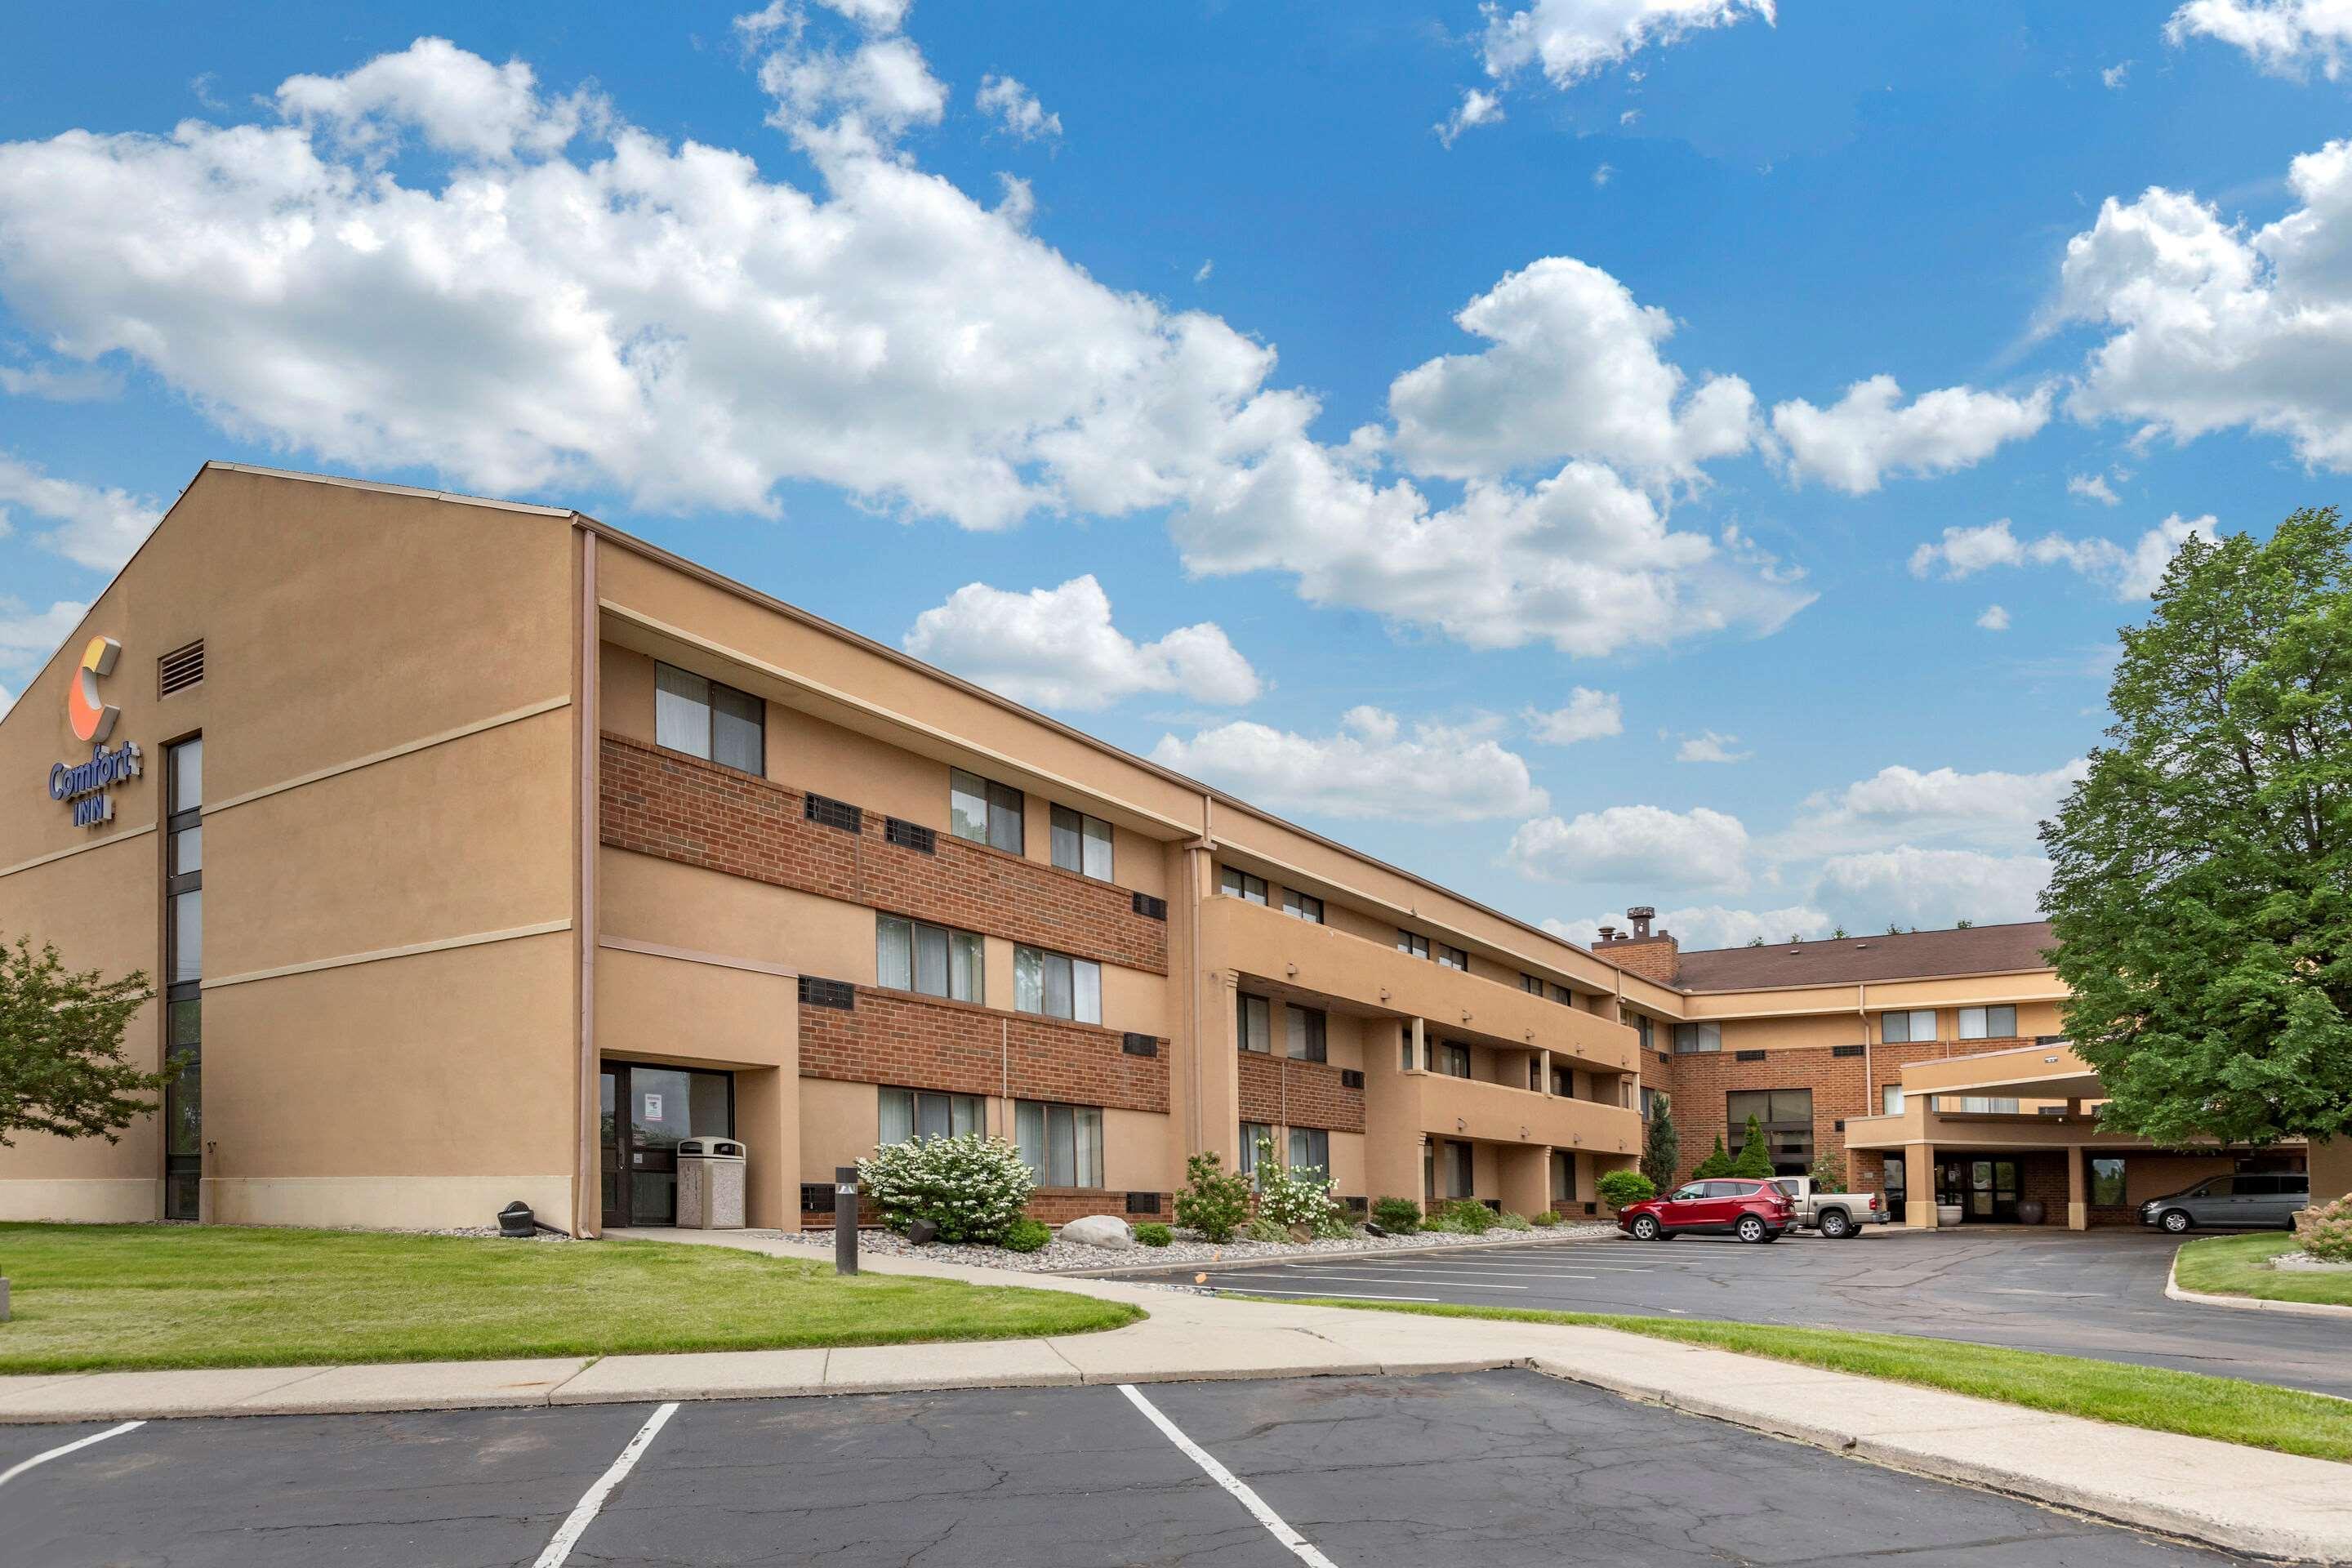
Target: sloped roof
(1913, 955)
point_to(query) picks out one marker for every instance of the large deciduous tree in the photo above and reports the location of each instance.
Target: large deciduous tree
(62, 1070)
(2201, 873)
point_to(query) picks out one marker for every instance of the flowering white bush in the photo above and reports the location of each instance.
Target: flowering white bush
(971, 1187)
(1298, 1195)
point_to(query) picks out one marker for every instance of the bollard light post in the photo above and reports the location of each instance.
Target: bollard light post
(845, 1219)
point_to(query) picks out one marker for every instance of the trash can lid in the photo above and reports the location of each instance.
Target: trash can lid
(711, 1148)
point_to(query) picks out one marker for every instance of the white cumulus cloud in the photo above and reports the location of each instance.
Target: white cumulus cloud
(2093, 487)
(1854, 443)
(1702, 926)
(94, 527)
(1710, 747)
(1648, 846)
(1932, 887)
(1056, 647)
(1898, 804)
(28, 637)
(2130, 571)
(1016, 108)
(1570, 40)
(1478, 106)
(1369, 768)
(1993, 618)
(1588, 715)
(2286, 37)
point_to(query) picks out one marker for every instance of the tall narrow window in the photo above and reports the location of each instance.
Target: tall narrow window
(1250, 1024)
(1241, 885)
(183, 964)
(1644, 1030)
(702, 718)
(1307, 1029)
(1056, 985)
(985, 812)
(1252, 1134)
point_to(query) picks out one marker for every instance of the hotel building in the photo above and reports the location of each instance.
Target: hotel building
(479, 851)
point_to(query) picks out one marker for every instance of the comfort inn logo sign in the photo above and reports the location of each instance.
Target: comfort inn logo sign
(88, 786)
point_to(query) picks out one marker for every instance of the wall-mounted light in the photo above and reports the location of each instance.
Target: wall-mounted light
(1291, 969)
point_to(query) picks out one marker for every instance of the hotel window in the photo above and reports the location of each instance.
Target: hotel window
(1644, 1030)
(183, 964)
(1563, 1177)
(1307, 1030)
(932, 960)
(1563, 995)
(1063, 1143)
(1416, 945)
(1241, 885)
(1692, 1037)
(2107, 1182)
(1252, 1134)
(1649, 1104)
(1453, 1060)
(1451, 958)
(1977, 1104)
(1890, 1100)
(1081, 844)
(1787, 1118)
(696, 715)
(1530, 984)
(1301, 906)
(1563, 1083)
(1056, 985)
(908, 1113)
(1251, 1023)
(985, 812)
(1988, 1023)
(1310, 1149)
(1447, 1169)
(1903, 1028)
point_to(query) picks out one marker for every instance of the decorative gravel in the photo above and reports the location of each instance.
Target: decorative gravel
(1061, 1257)
(2301, 1263)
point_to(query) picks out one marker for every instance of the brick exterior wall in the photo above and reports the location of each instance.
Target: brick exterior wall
(1312, 1095)
(681, 808)
(1657, 957)
(1698, 1082)
(926, 1042)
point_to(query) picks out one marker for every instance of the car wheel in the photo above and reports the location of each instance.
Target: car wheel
(2175, 1221)
(1835, 1225)
(1753, 1229)
(1646, 1227)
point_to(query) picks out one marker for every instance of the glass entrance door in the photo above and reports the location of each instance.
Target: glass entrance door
(646, 1111)
(1985, 1189)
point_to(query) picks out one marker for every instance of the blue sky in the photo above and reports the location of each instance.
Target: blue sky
(1676, 452)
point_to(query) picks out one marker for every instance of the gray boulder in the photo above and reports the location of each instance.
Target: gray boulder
(1099, 1230)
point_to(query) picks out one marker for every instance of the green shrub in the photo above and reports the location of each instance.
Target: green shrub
(1470, 1215)
(1261, 1228)
(1293, 1195)
(1543, 1219)
(1829, 1173)
(1506, 1220)
(1716, 1163)
(1400, 1216)
(1624, 1189)
(1755, 1157)
(1151, 1233)
(2326, 1231)
(1214, 1201)
(1024, 1234)
(971, 1187)
(1441, 1225)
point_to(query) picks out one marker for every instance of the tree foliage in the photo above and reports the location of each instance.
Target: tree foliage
(1661, 1146)
(1755, 1153)
(2201, 882)
(1716, 1163)
(62, 1070)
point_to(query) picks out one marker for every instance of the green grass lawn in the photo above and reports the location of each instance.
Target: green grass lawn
(2287, 1420)
(2238, 1265)
(110, 1297)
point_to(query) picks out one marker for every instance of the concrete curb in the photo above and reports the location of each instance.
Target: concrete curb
(2246, 1303)
(1276, 1260)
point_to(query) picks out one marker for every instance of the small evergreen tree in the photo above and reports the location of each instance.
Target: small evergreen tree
(1716, 1163)
(1755, 1157)
(1661, 1146)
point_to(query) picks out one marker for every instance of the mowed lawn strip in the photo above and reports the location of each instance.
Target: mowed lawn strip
(2255, 1414)
(2239, 1266)
(109, 1297)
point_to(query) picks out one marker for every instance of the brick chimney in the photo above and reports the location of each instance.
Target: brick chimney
(1651, 956)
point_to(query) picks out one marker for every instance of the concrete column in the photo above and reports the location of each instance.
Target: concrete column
(2078, 1190)
(1419, 1046)
(1543, 1071)
(1919, 1185)
(1525, 1170)
(767, 1117)
(1221, 1072)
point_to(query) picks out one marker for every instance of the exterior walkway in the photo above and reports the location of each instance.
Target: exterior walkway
(2243, 1499)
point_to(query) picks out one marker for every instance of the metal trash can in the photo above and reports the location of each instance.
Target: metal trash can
(710, 1183)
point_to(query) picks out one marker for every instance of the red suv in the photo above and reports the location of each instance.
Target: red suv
(1744, 1206)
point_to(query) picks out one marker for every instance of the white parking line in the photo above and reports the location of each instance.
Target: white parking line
(62, 1449)
(1379, 1280)
(1461, 1273)
(584, 1513)
(1242, 1289)
(1275, 1523)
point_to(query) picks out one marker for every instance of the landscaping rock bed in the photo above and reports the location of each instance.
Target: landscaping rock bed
(1058, 1257)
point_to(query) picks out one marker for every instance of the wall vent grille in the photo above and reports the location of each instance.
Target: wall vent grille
(1350, 1079)
(832, 813)
(835, 994)
(913, 835)
(1747, 1055)
(180, 669)
(1149, 908)
(1845, 1051)
(1139, 1045)
(1143, 1203)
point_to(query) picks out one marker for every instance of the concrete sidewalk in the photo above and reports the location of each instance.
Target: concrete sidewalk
(2245, 1501)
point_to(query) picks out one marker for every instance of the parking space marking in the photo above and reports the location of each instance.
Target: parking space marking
(1306, 1273)
(584, 1513)
(1457, 1273)
(1242, 1286)
(1275, 1523)
(62, 1449)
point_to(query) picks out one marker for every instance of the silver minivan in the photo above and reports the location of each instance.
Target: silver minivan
(2242, 1202)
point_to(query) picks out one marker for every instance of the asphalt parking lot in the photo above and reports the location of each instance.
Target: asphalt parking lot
(2097, 1294)
(1510, 1467)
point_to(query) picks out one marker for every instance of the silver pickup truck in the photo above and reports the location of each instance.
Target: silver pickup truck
(1835, 1215)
